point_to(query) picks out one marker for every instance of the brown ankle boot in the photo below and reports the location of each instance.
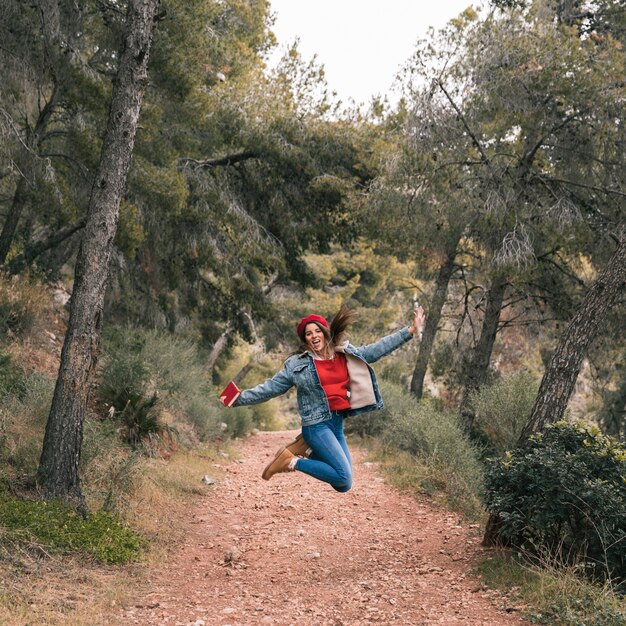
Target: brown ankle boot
(279, 464)
(299, 447)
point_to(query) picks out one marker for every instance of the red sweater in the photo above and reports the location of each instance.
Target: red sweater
(334, 378)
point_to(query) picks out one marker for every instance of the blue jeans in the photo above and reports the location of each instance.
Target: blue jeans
(330, 461)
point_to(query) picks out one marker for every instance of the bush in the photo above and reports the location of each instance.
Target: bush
(108, 468)
(502, 410)
(434, 439)
(564, 497)
(126, 384)
(60, 529)
(149, 373)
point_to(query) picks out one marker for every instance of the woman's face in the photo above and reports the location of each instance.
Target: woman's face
(314, 337)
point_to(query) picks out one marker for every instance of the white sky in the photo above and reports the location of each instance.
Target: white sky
(361, 43)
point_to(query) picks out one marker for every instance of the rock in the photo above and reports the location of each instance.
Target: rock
(61, 297)
(199, 622)
(232, 556)
(207, 480)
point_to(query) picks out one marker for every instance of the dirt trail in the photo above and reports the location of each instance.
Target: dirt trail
(292, 551)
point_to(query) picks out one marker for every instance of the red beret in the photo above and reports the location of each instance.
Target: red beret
(307, 320)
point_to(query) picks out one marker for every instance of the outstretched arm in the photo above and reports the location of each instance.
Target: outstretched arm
(374, 351)
(275, 386)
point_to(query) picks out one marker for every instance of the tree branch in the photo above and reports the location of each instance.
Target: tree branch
(483, 154)
(528, 157)
(230, 159)
(583, 185)
(32, 251)
(79, 166)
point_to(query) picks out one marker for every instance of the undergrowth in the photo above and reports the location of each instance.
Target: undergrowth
(58, 528)
(423, 449)
(548, 596)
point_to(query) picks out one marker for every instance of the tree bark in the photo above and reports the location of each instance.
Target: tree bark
(218, 347)
(562, 371)
(435, 309)
(476, 372)
(58, 467)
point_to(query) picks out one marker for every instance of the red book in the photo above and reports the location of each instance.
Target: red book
(230, 393)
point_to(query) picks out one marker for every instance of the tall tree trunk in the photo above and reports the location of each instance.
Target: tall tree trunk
(219, 346)
(562, 371)
(58, 466)
(560, 376)
(476, 372)
(435, 309)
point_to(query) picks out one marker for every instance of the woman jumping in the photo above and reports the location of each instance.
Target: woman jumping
(333, 380)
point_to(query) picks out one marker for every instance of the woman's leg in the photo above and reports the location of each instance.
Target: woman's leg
(338, 430)
(329, 462)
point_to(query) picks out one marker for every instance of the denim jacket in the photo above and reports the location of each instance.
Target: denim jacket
(299, 371)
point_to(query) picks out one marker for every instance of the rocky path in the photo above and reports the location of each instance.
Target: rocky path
(292, 551)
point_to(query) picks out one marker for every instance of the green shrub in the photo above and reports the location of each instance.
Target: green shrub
(238, 421)
(205, 414)
(147, 373)
(502, 410)
(60, 529)
(564, 497)
(447, 460)
(124, 376)
(434, 435)
(12, 379)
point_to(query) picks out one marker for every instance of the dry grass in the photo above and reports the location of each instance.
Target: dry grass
(549, 596)
(153, 495)
(40, 589)
(46, 589)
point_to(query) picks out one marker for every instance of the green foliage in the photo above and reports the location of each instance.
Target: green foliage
(127, 387)
(108, 469)
(434, 439)
(553, 596)
(150, 374)
(503, 408)
(239, 421)
(59, 528)
(564, 497)
(12, 379)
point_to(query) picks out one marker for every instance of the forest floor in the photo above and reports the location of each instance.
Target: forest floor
(293, 551)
